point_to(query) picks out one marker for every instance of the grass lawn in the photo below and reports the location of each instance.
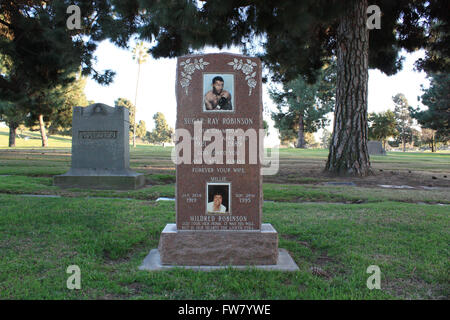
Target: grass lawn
(32, 139)
(108, 239)
(340, 229)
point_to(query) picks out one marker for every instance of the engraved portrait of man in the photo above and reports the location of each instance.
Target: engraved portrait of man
(218, 198)
(218, 98)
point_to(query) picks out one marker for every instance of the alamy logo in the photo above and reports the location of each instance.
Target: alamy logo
(374, 20)
(374, 281)
(212, 147)
(74, 281)
(74, 21)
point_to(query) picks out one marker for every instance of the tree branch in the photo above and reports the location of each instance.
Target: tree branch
(5, 23)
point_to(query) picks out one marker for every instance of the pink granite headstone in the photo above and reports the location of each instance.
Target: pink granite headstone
(219, 189)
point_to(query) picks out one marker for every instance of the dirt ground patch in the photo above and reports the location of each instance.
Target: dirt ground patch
(311, 172)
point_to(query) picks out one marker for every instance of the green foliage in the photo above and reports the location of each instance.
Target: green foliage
(437, 99)
(12, 114)
(403, 119)
(44, 55)
(162, 132)
(437, 55)
(311, 140)
(131, 108)
(299, 101)
(296, 38)
(141, 130)
(48, 53)
(293, 37)
(428, 137)
(5, 65)
(59, 103)
(382, 125)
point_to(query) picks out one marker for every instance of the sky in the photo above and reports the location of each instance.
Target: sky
(156, 91)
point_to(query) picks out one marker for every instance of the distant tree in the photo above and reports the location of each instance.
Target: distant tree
(59, 103)
(72, 96)
(54, 114)
(140, 54)
(382, 125)
(287, 137)
(45, 54)
(302, 107)
(13, 115)
(310, 140)
(428, 136)
(403, 119)
(415, 137)
(162, 132)
(437, 99)
(132, 111)
(410, 138)
(141, 130)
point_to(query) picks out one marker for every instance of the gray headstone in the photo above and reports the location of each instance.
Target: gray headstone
(100, 139)
(100, 150)
(376, 148)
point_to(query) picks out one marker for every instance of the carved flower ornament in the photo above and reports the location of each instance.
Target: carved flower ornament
(247, 68)
(188, 69)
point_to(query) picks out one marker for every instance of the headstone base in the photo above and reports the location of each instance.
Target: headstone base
(93, 179)
(375, 148)
(152, 262)
(218, 248)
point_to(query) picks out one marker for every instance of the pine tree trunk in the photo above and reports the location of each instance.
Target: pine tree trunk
(12, 134)
(42, 129)
(301, 133)
(348, 149)
(433, 143)
(404, 143)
